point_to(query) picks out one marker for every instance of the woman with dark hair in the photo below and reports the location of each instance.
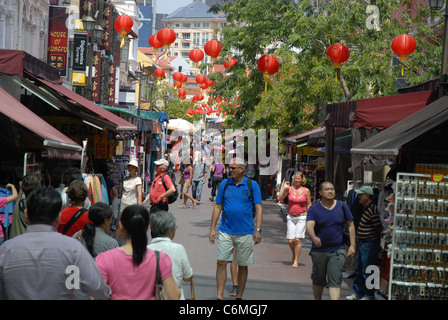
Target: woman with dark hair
(94, 236)
(130, 270)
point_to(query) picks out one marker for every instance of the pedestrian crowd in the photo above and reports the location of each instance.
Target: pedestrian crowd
(61, 245)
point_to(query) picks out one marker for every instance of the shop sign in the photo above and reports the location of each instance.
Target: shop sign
(437, 177)
(57, 39)
(80, 52)
(103, 148)
(79, 78)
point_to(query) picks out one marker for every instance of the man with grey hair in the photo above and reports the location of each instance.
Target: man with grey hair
(163, 229)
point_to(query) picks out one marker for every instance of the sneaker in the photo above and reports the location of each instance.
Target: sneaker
(269, 199)
(352, 297)
(368, 298)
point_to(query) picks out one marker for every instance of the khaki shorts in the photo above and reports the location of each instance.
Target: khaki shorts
(243, 244)
(185, 186)
(327, 268)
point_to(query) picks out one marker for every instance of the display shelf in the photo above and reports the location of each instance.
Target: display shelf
(419, 260)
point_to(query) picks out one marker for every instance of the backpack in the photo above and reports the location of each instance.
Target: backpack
(170, 199)
(249, 185)
(345, 229)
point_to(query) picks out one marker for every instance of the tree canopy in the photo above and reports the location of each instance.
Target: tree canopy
(298, 33)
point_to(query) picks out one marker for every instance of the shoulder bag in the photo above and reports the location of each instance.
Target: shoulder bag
(160, 291)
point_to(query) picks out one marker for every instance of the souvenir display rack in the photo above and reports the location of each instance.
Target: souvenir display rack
(419, 260)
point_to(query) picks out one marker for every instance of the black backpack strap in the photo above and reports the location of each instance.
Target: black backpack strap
(74, 218)
(163, 182)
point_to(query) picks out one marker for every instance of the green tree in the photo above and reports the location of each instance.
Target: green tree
(298, 33)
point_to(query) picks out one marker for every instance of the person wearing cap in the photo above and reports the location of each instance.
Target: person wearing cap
(368, 232)
(158, 193)
(132, 190)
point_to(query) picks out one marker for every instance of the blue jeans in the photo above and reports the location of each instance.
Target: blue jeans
(367, 255)
(197, 189)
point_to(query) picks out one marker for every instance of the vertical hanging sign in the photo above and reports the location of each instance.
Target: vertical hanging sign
(58, 39)
(96, 79)
(111, 99)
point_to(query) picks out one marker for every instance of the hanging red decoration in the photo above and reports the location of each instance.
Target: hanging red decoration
(229, 62)
(403, 46)
(203, 86)
(177, 76)
(196, 55)
(338, 53)
(181, 93)
(268, 65)
(184, 78)
(209, 82)
(166, 36)
(159, 73)
(177, 85)
(123, 25)
(155, 43)
(200, 78)
(213, 48)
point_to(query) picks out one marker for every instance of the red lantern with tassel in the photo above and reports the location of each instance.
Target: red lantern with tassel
(159, 73)
(166, 36)
(268, 65)
(209, 82)
(196, 55)
(155, 43)
(403, 46)
(123, 25)
(213, 48)
(181, 93)
(200, 78)
(338, 53)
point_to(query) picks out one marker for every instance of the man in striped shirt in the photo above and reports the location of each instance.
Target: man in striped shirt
(368, 232)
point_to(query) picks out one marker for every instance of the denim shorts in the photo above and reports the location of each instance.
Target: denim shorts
(242, 244)
(327, 268)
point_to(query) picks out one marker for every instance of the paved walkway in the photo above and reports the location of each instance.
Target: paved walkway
(270, 278)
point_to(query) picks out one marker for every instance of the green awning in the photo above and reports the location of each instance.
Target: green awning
(144, 114)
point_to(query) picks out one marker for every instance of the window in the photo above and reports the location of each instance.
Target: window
(186, 36)
(206, 25)
(196, 39)
(196, 25)
(204, 38)
(185, 45)
(185, 55)
(187, 25)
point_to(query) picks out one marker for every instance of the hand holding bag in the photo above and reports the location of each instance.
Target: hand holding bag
(160, 291)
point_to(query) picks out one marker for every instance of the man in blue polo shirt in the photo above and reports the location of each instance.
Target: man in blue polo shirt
(236, 231)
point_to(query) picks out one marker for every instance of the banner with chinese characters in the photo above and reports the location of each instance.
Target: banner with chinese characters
(58, 39)
(96, 79)
(111, 99)
(84, 6)
(107, 25)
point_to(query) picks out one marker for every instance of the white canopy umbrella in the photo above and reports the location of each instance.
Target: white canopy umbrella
(181, 125)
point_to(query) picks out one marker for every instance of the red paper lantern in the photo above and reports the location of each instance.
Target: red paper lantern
(181, 93)
(123, 25)
(268, 65)
(184, 78)
(200, 78)
(199, 97)
(213, 48)
(403, 46)
(229, 62)
(338, 53)
(196, 55)
(177, 85)
(155, 43)
(177, 76)
(166, 36)
(209, 82)
(159, 73)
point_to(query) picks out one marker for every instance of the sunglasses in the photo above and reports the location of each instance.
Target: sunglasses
(233, 168)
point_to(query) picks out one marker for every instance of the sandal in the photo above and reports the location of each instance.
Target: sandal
(194, 203)
(234, 291)
(182, 206)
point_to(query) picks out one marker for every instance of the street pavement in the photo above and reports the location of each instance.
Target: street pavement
(270, 278)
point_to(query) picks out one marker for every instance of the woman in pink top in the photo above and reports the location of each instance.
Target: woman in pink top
(299, 200)
(130, 270)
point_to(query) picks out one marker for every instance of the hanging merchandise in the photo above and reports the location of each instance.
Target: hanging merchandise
(419, 249)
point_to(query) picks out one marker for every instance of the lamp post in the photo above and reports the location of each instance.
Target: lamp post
(165, 99)
(437, 5)
(91, 26)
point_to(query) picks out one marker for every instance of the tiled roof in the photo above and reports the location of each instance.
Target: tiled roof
(196, 10)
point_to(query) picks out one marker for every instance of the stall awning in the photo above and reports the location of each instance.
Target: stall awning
(119, 123)
(384, 112)
(380, 113)
(294, 138)
(144, 114)
(385, 146)
(56, 143)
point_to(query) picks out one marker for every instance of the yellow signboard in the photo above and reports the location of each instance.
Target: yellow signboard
(78, 79)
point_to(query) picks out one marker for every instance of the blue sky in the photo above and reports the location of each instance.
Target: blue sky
(168, 6)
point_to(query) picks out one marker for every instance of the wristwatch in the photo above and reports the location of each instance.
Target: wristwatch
(259, 230)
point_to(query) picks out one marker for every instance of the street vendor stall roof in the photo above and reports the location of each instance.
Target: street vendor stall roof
(386, 145)
(296, 137)
(57, 144)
